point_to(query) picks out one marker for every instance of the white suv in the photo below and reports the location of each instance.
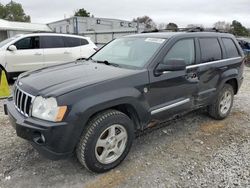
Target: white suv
(37, 50)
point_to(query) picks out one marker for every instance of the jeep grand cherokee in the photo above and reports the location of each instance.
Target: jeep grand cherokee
(94, 107)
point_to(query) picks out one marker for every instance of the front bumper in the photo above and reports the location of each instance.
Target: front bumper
(50, 139)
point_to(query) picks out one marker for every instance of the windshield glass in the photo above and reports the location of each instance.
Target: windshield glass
(6, 41)
(129, 52)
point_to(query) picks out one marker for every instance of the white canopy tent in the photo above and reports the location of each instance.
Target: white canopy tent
(9, 29)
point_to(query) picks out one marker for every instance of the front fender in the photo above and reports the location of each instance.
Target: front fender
(85, 108)
(80, 112)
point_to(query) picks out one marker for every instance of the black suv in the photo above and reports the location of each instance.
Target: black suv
(94, 107)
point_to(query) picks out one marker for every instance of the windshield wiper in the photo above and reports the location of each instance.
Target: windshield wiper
(108, 63)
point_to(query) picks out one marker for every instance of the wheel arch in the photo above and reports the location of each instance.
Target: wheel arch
(234, 83)
(125, 108)
(230, 77)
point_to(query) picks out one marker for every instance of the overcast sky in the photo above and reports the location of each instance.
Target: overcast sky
(182, 12)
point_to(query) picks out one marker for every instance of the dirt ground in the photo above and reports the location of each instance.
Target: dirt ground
(195, 151)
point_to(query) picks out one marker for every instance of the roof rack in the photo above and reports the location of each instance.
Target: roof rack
(190, 29)
(43, 31)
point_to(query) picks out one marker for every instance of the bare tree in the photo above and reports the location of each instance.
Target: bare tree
(149, 23)
(222, 25)
(195, 25)
(172, 26)
(161, 26)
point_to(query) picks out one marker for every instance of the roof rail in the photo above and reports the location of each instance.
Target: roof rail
(190, 29)
(43, 31)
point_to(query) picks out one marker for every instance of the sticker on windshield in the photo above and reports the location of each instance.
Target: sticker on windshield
(160, 41)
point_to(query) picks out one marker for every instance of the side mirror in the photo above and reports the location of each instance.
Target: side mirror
(12, 48)
(171, 65)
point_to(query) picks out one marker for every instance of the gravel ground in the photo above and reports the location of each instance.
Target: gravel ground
(194, 151)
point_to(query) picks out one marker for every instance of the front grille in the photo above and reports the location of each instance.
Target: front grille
(23, 101)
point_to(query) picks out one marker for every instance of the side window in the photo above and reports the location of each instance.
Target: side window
(28, 43)
(210, 50)
(183, 49)
(230, 47)
(71, 41)
(52, 42)
(84, 42)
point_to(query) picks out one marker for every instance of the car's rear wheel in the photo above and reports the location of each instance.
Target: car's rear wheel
(106, 142)
(221, 107)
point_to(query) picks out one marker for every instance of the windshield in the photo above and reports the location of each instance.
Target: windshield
(6, 41)
(129, 52)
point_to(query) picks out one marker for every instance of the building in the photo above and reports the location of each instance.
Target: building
(79, 25)
(9, 29)
(100, 30)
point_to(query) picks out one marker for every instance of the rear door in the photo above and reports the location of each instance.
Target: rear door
(173, 91)
(72, 48)
(28, 55)
(55, 51)
(209, 68)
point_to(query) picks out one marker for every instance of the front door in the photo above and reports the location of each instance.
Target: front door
(28, 55)
(173, 91)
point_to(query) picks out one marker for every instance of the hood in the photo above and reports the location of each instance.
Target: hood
(58, 80)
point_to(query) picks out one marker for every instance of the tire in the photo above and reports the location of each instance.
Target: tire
(112, 129)
(217, 110)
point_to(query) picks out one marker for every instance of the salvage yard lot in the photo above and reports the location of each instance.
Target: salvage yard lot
(195, 151)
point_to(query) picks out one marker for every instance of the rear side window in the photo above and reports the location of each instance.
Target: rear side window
(28, 43)
(84, 42)
(72, 41)
(52, 42)
(183, 49)
(210, 50)
(230, 47)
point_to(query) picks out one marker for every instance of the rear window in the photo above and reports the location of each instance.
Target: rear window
(52, 42)
(74, 42)
(210, 50)
(230, 47)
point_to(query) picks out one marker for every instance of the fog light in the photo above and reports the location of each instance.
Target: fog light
(39, 138)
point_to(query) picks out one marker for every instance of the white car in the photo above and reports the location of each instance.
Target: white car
(37, 50)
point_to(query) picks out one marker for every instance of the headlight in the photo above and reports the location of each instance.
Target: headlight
(47, 109)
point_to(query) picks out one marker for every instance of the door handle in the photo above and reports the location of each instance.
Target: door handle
(37, 53)
(67, 53)
(193, 77)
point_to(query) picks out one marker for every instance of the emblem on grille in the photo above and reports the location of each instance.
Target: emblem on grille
(20, 83)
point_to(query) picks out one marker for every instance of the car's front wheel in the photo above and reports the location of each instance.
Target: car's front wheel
(106, 142)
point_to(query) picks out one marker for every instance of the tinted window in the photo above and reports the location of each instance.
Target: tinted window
(52, 42)
(84, 42)
(183, 49)
(210, 50)
(27, 43)
(72, 41)
(230, 47)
